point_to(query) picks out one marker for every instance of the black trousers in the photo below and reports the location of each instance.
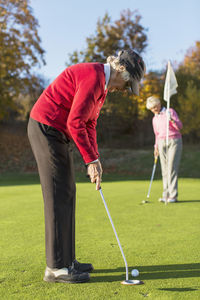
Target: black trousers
(53, 154)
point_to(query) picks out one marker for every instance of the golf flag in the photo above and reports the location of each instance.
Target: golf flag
(169, 90)
(170, 83)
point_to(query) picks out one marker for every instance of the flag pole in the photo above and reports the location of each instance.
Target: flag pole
(168, 106)
(167, 134)
(169, 90)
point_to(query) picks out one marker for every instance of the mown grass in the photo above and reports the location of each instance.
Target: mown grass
(162, 241)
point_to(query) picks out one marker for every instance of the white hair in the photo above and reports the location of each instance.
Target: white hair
(152, 101)
(114, 62)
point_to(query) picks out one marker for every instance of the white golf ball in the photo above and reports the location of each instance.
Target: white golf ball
(134, 272)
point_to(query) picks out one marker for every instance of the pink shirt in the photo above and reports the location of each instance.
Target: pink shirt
(160, 128)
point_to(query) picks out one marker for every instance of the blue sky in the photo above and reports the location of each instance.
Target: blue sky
(173, 27)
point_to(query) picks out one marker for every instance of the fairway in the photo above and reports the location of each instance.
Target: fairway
(161, 241)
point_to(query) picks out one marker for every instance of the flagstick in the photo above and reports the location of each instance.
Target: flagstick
(169, 90)
(167, 139)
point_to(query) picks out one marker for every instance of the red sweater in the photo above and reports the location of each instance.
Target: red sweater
(71, 104)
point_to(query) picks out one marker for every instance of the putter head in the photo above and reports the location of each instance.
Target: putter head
(132, 282)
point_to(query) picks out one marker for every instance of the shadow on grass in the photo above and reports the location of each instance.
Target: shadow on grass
(179, 289)
(183, 201)
(151, 272)
(176, 203)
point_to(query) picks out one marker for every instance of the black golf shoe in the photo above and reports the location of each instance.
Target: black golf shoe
(81, 267)
(65, 275)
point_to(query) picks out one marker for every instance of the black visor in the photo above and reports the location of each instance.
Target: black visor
(135, 65)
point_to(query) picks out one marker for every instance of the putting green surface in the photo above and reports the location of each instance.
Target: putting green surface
(161, 241)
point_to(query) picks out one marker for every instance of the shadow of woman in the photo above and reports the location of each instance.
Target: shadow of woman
(150, 272)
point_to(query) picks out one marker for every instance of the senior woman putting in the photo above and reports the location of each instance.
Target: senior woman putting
(169, 158)
(67, 111)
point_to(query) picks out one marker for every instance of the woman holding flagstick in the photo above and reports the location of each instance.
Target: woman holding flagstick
(169, 156)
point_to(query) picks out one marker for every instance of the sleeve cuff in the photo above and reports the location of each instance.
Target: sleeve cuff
(92, 162)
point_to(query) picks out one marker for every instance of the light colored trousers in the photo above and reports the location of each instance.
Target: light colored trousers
(170, 160)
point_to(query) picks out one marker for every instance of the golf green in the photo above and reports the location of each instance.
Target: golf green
(161, 241)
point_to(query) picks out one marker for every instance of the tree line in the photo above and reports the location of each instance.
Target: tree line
(122, 115)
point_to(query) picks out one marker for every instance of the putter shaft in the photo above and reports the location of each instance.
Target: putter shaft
(152, 176)
(100, 190)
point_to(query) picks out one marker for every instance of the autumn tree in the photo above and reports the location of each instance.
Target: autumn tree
(20, 52)
(191, 63)
(152, 85)
(25, 100)
(120, 110)
(111, 37)
(190, 112)
(188, 97)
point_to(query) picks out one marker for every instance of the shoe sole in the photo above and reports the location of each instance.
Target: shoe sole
(65, 281)
(162, 201)
(172, 201)
(86, 270)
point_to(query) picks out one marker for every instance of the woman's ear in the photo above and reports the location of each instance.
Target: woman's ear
(122, 68)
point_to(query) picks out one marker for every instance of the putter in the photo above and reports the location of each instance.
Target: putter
(127, 281)
(152, 176)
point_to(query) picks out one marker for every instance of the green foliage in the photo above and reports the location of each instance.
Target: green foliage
(152, 85)
(20, 51)
(26, 99)
(190, 110)
(111, 37)
(120, 111)
(192, 61)
(188, 98)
